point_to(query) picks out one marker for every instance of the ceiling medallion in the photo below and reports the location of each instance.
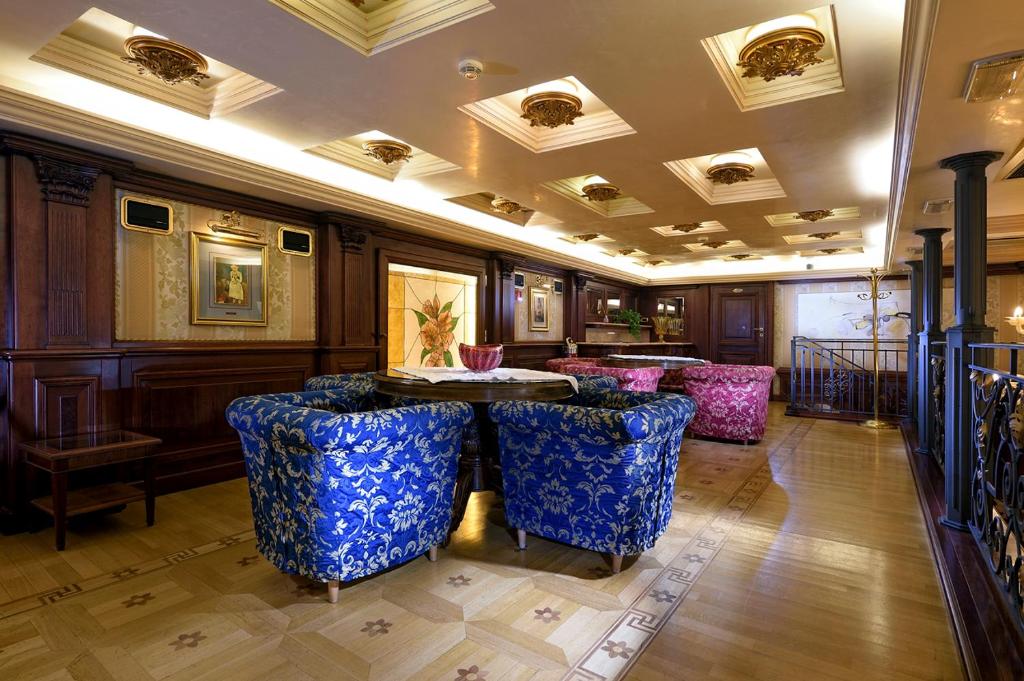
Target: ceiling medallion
(387, 151)
(814, 215)
(829, 251)
(714, 244)
(167, 60)
(786, 52)
(655, 263)
(823, 235)
(730, 173)
(627, 251)
(585, 237)
(507, 206)
(742, 256)
(552, 109)
(687, 227)
(600, 191)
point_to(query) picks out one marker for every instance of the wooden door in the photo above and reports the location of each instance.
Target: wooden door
(741, 324)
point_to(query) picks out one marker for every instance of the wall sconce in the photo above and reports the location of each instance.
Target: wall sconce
(1017, 320)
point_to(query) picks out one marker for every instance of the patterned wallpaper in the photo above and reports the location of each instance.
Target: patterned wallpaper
(429, 313)
(152, 280)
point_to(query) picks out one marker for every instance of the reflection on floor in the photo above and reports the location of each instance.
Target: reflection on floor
(802, 557)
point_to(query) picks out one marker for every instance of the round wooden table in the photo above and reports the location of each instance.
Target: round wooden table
(479, 463)
(663, 362)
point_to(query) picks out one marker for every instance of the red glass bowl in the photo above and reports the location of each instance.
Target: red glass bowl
(481, 357)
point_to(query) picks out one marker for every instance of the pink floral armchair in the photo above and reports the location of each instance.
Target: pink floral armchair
(640, 380)
(557, 363)
(732, 400)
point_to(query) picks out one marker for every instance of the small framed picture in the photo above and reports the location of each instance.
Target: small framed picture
(540, 309)
(229, 281)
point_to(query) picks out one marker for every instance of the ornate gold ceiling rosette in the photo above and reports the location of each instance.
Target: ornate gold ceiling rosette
(741, 256)
(730, 173)
(507, 206)
(387, 151)
(626, 251)
(169, 61)
(585, 237)
(687, 227)
(714, 244)
(823, 235)
(785, 52)
(552, 109)
(829, 251)
(600, 191)
(814, 215)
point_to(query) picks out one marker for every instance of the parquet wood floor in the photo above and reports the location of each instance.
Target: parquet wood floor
(802, 556)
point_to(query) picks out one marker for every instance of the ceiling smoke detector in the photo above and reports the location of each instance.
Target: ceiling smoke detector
(471, 69)
(994, 78)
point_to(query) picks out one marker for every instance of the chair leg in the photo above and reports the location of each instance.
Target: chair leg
(333, 586)
(616, 563)
(521, 536)
(432, 555)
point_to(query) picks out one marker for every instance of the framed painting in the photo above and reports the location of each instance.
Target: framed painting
(540, 309)
(229, 281)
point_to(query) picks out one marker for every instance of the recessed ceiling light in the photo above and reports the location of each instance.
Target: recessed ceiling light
(730, 168)
(552, 105)
(781, 47)
(169, 61)
(388, 151)
(814, 215)
(994, 78)
(507, 206)
(596, 188)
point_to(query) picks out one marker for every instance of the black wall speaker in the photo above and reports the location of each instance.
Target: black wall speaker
(558, 286)
(143, 214)
(295, 241)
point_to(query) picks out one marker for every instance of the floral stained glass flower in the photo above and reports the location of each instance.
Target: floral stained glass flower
(437, 326)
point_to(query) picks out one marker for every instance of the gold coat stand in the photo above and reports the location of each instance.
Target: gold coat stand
(874, 296)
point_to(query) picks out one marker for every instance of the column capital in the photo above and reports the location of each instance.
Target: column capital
(974, 159)
(915, 264)
(931, 232)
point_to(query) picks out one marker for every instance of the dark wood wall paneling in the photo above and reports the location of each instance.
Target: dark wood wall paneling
(61, 370)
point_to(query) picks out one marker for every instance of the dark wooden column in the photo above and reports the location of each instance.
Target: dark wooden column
(931, 331)
(915, 328)
(969, 271)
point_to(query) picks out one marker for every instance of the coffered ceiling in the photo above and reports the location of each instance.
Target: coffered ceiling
(663, 101)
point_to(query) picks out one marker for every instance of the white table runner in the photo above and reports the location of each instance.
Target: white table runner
(500, 375)
(672, 358)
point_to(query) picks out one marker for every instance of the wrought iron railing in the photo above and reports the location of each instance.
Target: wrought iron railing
(834, 376)
(937, 363)
(997, 475)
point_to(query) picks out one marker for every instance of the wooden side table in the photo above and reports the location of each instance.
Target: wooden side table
(60, 456)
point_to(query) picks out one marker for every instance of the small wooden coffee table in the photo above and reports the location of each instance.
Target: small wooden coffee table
(60, 456)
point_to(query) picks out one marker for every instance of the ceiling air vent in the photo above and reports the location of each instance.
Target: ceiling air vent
(936, 206)
(1017, 173)
(994, 78)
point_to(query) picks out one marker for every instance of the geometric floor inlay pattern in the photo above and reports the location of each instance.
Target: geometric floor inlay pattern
(483, 612)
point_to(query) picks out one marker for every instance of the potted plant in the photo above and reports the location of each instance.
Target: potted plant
(631, 317)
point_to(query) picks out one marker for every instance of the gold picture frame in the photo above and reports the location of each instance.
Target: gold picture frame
(138, 198)
(228, 281)
(539, 299)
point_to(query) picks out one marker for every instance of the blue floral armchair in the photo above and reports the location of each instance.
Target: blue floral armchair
(599, 475)
(339, 493)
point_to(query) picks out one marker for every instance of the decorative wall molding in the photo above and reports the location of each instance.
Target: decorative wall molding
(65, 182)
(352, 238)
